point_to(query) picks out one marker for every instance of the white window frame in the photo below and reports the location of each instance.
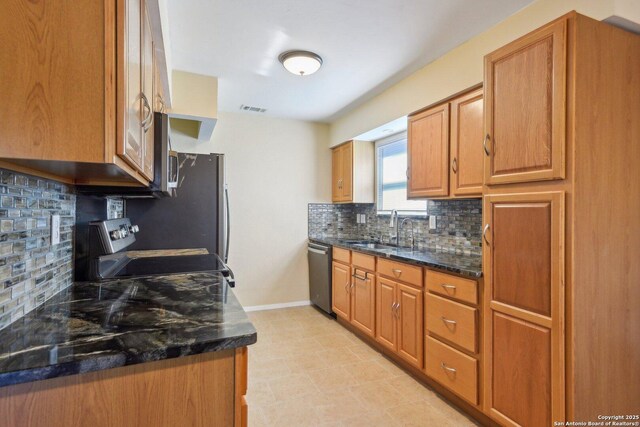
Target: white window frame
(380, 143)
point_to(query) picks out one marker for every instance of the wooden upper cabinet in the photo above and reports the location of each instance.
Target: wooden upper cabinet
(43, 65)
(466, 144)
(428, 153)
(76, 114)
(132, 146)
(525, 117)
(336, 173)
(352, 176)
(348, 170)
(148, 91)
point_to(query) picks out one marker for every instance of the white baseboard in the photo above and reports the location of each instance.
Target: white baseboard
(276, 306)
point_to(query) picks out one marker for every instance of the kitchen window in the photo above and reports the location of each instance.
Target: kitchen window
(391, 178)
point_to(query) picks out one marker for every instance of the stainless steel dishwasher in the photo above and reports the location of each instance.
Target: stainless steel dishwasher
(320, 275)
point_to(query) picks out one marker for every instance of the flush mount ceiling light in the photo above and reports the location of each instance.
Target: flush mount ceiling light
(300, 62)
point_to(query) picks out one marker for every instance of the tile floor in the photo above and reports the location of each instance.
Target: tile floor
(307, 370)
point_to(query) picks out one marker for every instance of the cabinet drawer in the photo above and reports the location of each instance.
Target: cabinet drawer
(342, 255)
(464, 290)
(406, 273)
(453, 369)
(360, 260)
(452, 321)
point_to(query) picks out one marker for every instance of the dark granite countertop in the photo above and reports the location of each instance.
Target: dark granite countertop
(94, 326)
(466, 265)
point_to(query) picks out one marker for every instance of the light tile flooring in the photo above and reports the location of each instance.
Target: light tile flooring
(307, 370)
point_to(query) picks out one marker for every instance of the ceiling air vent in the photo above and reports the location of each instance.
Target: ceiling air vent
(252, 109)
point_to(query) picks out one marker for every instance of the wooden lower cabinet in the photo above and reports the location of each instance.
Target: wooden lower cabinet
(386, 330)
(452, 355)
(241, 416)
(353, 292)
(452, 321)
(395, 322)
(340, 296)
(410, 327)
(200, 390)
(452, 368)
(363, 301)
(399, 320)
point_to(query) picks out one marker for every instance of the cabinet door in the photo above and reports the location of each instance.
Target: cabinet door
(466, 144)
(521, 380)
(363, 301)
(524, 308)
(148, 92)
(347, 172)
(158, 90)
(340, 283)
(410, 328)
(428, 153)
(526, 108)
(132, 147)
(386, 322)
(336, 173)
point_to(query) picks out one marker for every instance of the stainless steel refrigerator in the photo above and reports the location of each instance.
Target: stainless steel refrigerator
(196, 217)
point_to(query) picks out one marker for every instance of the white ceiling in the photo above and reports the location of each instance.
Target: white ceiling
(366, 45)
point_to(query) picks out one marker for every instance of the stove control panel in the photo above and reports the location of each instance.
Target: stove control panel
(115, 234)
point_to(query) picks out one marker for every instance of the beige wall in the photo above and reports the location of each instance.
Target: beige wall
(463, 66)
(275, 167)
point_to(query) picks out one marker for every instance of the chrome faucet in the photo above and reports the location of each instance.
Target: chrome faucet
(413, 237)
(393, 223)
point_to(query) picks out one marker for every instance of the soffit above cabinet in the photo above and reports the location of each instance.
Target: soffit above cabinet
(194, 110)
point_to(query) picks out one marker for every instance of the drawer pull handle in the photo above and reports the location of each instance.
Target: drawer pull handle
(447, 287)
(446, 368)
(346, 287)
(397, 272)
(449, 321)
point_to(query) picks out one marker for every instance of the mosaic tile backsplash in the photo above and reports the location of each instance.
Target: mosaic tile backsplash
(458, 225)
(31, 269)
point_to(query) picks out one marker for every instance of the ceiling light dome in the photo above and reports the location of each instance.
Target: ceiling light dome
(300, 62)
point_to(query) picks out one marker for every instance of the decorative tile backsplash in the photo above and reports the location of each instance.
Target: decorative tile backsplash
(458, 225)
(115, 208)
(31, 269)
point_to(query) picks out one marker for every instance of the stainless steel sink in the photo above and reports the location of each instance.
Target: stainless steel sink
(353, 241)
(374, 245)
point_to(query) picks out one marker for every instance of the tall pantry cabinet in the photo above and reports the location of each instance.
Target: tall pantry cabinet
(561, 233)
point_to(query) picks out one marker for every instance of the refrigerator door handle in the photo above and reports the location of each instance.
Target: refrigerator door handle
(228, 221)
